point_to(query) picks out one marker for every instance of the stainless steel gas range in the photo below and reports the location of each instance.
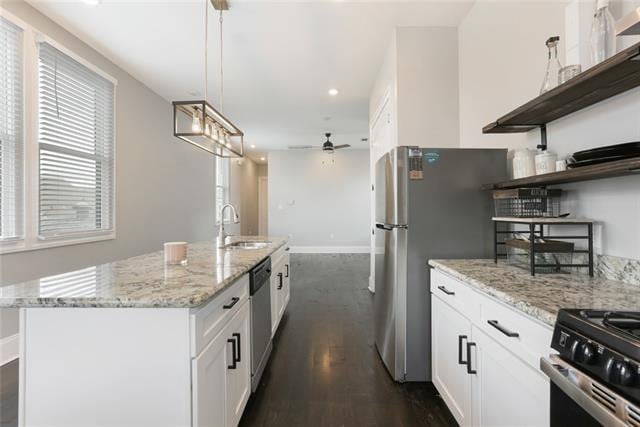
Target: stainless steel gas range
(595, 378)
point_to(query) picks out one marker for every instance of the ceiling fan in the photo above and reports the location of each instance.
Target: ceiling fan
(327, 147)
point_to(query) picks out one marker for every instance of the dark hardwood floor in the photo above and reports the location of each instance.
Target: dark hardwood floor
(9, 394)
(325, 370)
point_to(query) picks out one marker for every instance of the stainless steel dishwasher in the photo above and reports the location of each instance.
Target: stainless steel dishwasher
(260, 297)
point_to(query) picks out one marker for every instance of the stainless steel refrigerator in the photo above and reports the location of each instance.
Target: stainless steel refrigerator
(428, 205)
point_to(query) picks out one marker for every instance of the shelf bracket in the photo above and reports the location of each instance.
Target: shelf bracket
(543, 138)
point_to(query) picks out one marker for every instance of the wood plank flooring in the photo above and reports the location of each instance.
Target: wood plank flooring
(9, 394)
(325, 370)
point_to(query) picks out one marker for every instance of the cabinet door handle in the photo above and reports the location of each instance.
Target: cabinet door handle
(287, 265)
(238, 337)
(233, 353)
(469, 369)
(233, 302)
(280, 279)
(507, 332)
(446, 291)
(460, 339)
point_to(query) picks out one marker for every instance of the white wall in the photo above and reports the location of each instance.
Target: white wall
(164, 186)
(322, 207)
(503, 67)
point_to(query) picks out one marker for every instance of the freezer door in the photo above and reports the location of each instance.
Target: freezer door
(389, 299)
(384, 189)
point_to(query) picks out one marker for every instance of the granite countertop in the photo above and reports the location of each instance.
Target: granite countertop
(145, 280)
(543, 295)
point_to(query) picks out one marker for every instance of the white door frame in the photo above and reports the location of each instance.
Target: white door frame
(263, 211)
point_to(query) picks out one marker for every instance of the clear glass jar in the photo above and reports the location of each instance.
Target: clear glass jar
(553, 66)
(603, 33)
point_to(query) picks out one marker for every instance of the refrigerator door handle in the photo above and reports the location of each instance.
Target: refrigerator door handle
(389, 227)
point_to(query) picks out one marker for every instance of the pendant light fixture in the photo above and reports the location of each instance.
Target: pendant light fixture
(197, 122)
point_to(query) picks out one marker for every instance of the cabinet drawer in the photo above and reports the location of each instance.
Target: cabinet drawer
(278, 256)
(502, 323)
(455, 293)
(208, 321)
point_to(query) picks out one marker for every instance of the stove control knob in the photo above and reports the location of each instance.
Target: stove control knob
(588, 353)
(625, 373)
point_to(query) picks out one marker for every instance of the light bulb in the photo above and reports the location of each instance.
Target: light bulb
(195, 124)
(207, 129)
(216, 133)
(227, 140)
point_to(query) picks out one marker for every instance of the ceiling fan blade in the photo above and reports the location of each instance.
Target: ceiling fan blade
(337, 147)
(299, 147)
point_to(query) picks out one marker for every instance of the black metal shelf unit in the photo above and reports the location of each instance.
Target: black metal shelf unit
(535, 229)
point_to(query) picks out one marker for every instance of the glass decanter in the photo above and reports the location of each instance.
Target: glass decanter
(553, 65)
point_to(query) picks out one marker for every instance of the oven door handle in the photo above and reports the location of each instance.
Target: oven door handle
(559, 375)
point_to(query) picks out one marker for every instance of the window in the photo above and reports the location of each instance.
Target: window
(76, 147)
(57, 143)
(11, 139)
(222, 188)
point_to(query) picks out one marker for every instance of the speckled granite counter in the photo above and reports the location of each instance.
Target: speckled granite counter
(543, 295)
(143, 281)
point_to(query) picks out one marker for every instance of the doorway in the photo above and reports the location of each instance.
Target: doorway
(263, 206)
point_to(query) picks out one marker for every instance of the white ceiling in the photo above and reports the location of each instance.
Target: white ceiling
(280, 58)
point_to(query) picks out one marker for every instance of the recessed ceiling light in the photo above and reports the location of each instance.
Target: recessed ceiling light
(253, 145)
(263, 159)
(92, 2)
(333, 92)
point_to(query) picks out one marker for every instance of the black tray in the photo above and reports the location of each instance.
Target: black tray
(620, 151)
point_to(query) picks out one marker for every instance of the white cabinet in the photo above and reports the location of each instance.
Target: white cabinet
(485, 357)
(506, 391)
(451, 332)
(280, 287)
(222, 375)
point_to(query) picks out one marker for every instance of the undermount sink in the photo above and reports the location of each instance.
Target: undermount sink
(247, 245)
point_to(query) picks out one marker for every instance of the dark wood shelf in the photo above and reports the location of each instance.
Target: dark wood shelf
(585, 173)
(616, 75)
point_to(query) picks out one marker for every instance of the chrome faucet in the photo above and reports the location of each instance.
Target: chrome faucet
(222, 236)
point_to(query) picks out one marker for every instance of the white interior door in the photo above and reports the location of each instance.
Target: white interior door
(263, 206)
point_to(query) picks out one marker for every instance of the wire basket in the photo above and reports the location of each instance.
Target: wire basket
(527, 203)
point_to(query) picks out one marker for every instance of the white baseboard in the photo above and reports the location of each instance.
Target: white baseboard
(9, 349)
(329, 249)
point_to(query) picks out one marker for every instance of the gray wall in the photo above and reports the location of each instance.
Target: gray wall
(244, 195)
(320, 204)
(164, 187)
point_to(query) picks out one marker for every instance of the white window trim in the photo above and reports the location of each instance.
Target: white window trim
(32, 240)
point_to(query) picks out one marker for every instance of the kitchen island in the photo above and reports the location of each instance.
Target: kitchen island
(139, 343)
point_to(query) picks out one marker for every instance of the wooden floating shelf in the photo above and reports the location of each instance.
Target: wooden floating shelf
(616, 75)
(584, 173)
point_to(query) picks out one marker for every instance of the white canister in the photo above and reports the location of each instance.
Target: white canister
(545, 162)
(561, 165)
(523, 164)
(175, 252)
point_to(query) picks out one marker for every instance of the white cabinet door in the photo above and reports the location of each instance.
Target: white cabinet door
(275, 309)
(239, 369)
(450, 333)
(287, 280)
(209, 376)
(506, 391)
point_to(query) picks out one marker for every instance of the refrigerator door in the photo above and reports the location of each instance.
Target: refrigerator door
(388, 197)
(388, 308)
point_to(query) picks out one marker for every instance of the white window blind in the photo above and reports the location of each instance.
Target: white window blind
(76, 146)
(11, 135)
(222, 188)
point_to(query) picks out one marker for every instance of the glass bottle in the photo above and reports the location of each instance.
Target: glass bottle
(603, 33)
(553, 66)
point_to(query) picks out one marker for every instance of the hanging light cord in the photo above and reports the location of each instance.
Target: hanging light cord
(221, 70)
(206, 45)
